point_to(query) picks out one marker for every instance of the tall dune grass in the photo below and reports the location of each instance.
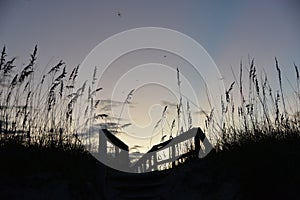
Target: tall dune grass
(259, 111)
(48, 110)
(43, 110)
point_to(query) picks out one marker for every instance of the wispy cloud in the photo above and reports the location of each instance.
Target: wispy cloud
(108, 104)
(168, 103)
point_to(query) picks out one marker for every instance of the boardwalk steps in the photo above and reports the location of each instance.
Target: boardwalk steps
(153, 185)
(147, 181)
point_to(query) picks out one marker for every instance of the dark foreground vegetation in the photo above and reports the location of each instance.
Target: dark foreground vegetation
(264, 169)
(35, 172)
(42, 154)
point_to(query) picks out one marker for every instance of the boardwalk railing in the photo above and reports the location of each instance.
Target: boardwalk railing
(161, 156)
(112, 151)
(172, 152)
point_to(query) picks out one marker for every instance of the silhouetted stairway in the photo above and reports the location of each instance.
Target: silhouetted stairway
(150, 185)
(146, 186)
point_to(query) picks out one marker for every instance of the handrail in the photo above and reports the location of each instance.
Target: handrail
(149, 161)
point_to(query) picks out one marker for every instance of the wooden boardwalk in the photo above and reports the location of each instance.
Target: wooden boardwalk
(146, 179)
(146, 186)
(175, 151)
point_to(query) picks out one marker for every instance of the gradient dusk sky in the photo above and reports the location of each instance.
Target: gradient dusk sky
(228, 30)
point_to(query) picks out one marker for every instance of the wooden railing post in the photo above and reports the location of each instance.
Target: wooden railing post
(154, 161)
(197, 143)
(173, 154)
(102, 146)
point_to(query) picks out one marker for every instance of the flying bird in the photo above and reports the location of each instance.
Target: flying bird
(119, 14)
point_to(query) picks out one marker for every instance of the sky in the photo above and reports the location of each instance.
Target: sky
(228, 30)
